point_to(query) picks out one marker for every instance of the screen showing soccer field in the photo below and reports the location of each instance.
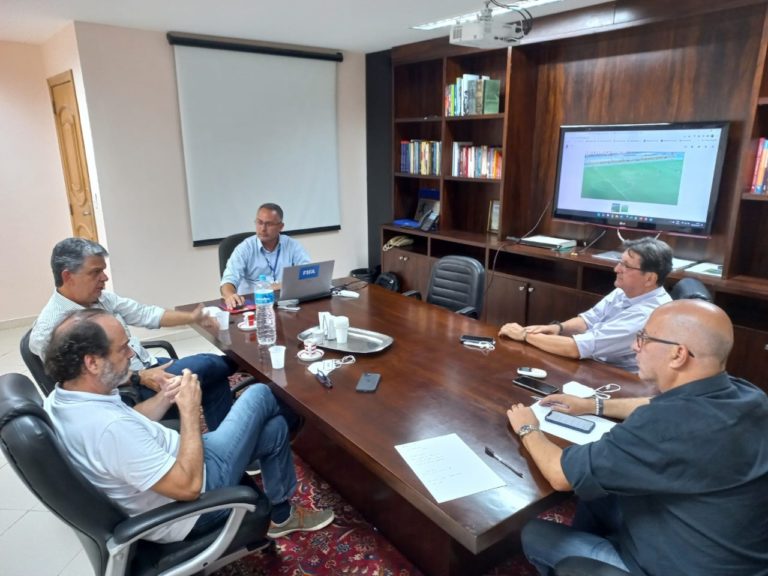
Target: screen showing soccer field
(655, 177)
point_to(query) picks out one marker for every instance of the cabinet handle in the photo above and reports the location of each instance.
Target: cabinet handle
(405, 258)
(521, 288)
(530, 289)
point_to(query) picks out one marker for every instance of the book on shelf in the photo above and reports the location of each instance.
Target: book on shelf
(467, 96)
(761, 161)
(470, 161)
(491, 96)
(421, 157)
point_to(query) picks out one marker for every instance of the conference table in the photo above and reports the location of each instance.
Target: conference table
(431, 385)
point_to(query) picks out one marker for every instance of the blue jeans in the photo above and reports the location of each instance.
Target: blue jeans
(213, 371)
(595, 526)
(253, 429)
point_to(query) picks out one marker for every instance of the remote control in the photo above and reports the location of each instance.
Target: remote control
(348, 294)
(532, 372)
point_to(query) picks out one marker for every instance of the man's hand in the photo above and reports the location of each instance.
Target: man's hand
(569, 404)
(519, 415)
(156, 377)
(171, 389)
(513, 331)
(552, 329)
(189, 395)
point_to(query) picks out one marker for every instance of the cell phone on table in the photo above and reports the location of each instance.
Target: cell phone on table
(572, 422)
(535, 385)
(471, 338)
(246, 307)
(368, 382)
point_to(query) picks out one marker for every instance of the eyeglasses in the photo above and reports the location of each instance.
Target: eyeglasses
(642, 337)
(628, 266)
(267, 224)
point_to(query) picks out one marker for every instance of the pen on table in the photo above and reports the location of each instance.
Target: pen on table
(323, 378)
(493, 455)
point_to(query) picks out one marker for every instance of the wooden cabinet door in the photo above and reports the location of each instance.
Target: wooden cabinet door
(749, 357)
(505, 300)
(412, 269)
(547, 303)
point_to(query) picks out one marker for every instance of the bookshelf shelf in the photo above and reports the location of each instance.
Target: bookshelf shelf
(749, 197)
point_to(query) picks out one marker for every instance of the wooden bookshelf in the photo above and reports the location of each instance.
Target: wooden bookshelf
(626, 62)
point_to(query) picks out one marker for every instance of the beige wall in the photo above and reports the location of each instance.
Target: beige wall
(126, 88)
(33, 206)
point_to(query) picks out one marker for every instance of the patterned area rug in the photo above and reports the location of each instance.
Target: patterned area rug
(350, 545)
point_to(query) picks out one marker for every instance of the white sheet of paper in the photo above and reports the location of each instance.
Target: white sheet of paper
(448, 468)
(601, 426)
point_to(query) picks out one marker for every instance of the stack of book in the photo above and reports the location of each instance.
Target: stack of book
(760, 174)
(472, 94)
(472, 161)
(420, 157)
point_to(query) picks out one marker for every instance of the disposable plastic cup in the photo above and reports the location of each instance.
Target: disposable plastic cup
(341, 323)
(223, 318)
(277, 357)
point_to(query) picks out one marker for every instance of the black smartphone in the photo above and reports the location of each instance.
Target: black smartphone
(572, 422)
(535, 385)
(368, 382)
(470, 338)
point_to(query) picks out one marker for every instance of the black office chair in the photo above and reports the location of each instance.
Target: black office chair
(690, 288)
(111, 539)
(46, 384)
(227, 246)
(576, 566)
(456, 283)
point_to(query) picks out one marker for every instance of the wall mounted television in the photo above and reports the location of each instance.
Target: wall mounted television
(655, 177)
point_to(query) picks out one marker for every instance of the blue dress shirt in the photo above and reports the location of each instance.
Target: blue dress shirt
(250, 259)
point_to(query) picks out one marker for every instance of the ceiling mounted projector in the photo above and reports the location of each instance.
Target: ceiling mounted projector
(488, 33)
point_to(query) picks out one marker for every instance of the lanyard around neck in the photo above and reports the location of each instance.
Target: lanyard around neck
(273, 267)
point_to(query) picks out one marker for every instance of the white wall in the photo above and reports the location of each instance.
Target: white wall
(129, 83)
(126, 91)
(33, 202)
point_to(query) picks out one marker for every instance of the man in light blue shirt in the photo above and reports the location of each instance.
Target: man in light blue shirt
(606, 331)
(266, 253)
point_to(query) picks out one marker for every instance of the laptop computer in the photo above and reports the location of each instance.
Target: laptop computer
(307, 281)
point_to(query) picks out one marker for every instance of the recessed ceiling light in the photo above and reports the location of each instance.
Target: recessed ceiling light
(472, 16)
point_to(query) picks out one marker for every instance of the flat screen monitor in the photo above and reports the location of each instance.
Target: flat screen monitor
(656, 177)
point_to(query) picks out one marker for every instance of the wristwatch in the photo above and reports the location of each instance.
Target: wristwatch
(135, 379)
(526, 429)
(559, 326)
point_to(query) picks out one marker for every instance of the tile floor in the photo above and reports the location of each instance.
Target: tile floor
(24, 521)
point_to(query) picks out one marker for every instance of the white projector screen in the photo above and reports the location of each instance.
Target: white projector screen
(257, 128)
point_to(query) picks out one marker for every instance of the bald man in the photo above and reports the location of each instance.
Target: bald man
(681, 486)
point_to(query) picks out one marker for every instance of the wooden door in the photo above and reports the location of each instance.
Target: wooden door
(505, 299)
(413, 269)
(73, 162)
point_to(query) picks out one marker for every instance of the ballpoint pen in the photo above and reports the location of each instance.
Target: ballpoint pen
(493, 455)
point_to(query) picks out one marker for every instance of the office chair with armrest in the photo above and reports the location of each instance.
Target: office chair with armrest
(690, 288)
(456, 283)
(577, 566)
(110, 538)
(35, 364)
(227, 246)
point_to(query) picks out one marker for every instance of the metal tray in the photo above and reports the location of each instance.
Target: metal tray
(359, 341)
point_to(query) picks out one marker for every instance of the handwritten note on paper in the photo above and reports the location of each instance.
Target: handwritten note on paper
(448, 468)
(601, 426)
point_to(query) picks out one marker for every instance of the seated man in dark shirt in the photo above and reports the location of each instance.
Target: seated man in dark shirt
(681, 486)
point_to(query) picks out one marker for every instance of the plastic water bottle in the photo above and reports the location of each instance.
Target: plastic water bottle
(264, 298)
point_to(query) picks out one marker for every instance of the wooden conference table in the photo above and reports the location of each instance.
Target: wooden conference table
(431, 385)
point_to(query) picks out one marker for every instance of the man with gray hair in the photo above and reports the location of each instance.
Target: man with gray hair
(606, 331)
(78, 267)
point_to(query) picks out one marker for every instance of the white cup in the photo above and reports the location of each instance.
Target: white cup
(249, 319)
(310, 345)
(223, 318)
(277, 357)
(327, 324)
(341, 324)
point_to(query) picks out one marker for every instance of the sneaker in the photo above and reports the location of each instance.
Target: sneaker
(301, 520)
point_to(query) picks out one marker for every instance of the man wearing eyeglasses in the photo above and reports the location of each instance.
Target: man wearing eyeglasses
(681, 486)
(606, 331)
(266, 253)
